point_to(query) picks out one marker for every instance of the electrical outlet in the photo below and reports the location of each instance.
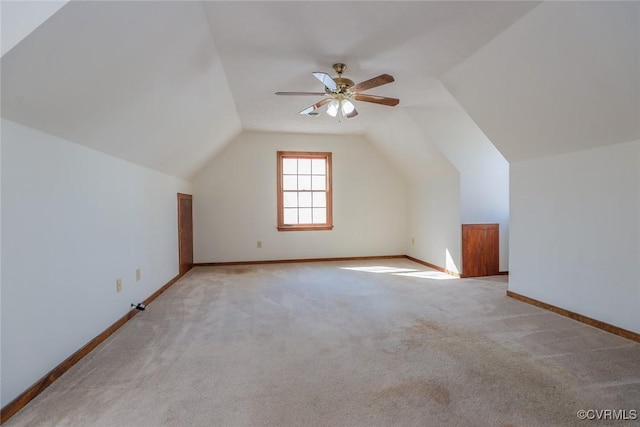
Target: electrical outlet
(118, 285)
(259, 244)
(137, 274)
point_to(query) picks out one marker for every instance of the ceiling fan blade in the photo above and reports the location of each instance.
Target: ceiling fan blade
(380, 80)
(326, 80)
(376, 99)
(301, 93)
(315, 106)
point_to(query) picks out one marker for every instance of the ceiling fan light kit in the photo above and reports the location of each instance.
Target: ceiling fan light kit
(340, 93)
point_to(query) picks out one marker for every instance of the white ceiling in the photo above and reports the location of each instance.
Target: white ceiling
(25, 17)
(267, 47)
(138, 80)
(565, 77)
(168, 84)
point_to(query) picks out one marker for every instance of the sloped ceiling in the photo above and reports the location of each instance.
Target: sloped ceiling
(275, 46)
(25, 17)
(406, 146)
(167, 84)
(563, 78)
(142, 81)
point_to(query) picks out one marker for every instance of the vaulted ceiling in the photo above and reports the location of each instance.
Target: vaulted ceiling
(168, 84)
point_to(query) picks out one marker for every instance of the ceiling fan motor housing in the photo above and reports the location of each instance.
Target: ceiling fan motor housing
(343, 83)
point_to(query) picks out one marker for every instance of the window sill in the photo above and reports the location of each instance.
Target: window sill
(304, 227)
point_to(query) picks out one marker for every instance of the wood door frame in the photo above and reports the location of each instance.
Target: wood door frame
(182, 196)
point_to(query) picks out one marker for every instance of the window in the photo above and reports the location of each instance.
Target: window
(304, 191)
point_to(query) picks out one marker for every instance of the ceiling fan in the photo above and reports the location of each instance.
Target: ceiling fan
(340, 93)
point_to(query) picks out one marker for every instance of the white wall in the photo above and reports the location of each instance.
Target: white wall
(575, 232)
(434, 220)
(484, 173)
(235, 202)
(433, 193)
(73, 221)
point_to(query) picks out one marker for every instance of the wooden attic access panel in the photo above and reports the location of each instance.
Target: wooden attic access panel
(480, 250)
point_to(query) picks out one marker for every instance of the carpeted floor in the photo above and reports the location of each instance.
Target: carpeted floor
(371, 343)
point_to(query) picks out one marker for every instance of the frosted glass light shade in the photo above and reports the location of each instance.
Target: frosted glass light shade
(332, 109)
(347, 107)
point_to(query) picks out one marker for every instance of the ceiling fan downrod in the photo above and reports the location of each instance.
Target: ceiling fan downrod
(343, 83)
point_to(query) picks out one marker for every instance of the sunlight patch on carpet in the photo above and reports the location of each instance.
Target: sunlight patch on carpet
(409, 272)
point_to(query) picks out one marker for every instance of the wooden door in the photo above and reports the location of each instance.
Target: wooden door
(185, 233)
(480, 250)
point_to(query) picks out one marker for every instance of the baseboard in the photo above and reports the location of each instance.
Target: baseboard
(39, 386)
(359, 258)
(449, 272)
(435, 267)
(633, 336)
(166, 286)
(285, 261)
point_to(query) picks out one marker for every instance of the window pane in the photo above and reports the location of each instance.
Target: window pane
(290, 200)
(305, 215)
(319, 215)
(304, 182)
(319, 182)
(305, 200)
(290, 166)
(290, 216)
(289, 182)
(319, 200)
(318, 167)
(304, 166)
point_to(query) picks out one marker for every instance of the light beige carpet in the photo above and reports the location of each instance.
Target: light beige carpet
(373, 343)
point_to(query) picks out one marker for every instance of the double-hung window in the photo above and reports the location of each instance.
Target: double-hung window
(304, 191)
